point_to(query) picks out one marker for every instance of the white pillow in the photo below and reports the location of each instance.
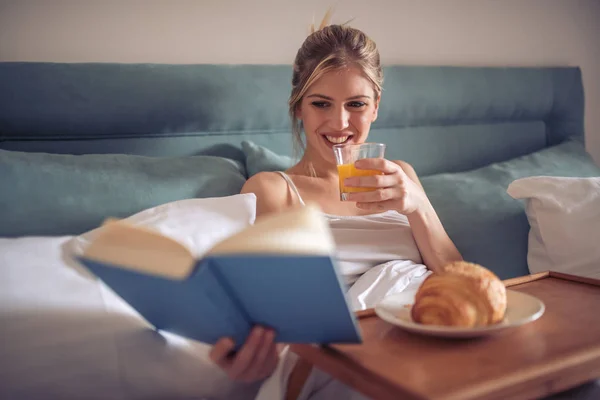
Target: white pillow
(564, 215)
(66, 335)
(196, 223)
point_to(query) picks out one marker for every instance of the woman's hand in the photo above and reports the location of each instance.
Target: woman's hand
(254, 361)
(394, 190)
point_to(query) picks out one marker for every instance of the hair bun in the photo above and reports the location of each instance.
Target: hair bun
(324, 22)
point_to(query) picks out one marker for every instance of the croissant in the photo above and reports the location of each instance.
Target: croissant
(463, 294)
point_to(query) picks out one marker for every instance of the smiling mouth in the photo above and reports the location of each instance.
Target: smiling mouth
(337, 139)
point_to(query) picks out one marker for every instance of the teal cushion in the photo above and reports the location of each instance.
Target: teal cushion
(259, 158)
(58, 194)
(487, 225)
(224, 150)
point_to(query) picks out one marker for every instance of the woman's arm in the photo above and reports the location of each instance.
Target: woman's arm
(436, 247)
(399, 188)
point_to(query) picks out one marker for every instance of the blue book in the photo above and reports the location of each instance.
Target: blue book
(279, 273)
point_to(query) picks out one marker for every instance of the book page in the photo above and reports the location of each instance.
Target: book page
(296, 231)
(128, 246)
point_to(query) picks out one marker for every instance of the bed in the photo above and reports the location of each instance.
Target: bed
(166, 144)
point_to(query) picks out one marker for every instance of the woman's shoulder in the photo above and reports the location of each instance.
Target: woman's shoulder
(264, 182)
(271, 191)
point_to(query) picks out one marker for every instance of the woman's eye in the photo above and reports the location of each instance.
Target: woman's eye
(357, 104)
(320, 104)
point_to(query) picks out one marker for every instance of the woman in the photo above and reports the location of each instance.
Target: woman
(386, 238)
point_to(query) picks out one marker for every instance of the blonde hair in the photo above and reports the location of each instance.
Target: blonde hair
(326, 49)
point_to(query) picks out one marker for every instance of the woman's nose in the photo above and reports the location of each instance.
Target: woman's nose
(340, 119)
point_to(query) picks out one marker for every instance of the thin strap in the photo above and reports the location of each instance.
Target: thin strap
(291, 185)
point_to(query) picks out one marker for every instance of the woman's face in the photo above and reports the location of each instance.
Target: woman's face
(338, 108)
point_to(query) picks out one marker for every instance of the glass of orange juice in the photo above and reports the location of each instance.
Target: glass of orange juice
(346, 155)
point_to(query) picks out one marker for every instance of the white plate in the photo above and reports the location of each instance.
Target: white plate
(521, 309)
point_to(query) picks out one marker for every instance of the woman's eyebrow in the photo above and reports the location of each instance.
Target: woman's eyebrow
(321, 96)
(359, 96)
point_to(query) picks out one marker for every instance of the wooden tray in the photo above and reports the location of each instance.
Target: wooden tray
(559, 351)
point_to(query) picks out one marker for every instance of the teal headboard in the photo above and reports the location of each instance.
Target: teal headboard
(439, 119)
(175, 131)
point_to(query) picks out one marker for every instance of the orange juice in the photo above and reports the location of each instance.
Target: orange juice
(348, 170)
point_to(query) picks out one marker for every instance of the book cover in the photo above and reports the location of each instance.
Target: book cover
(279, 272)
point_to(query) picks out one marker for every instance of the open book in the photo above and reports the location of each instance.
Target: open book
(279, 272)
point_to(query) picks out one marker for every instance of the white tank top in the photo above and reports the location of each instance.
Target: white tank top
(365, 241)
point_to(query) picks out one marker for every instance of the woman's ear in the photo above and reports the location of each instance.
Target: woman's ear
(298, 112)
(376, 110)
